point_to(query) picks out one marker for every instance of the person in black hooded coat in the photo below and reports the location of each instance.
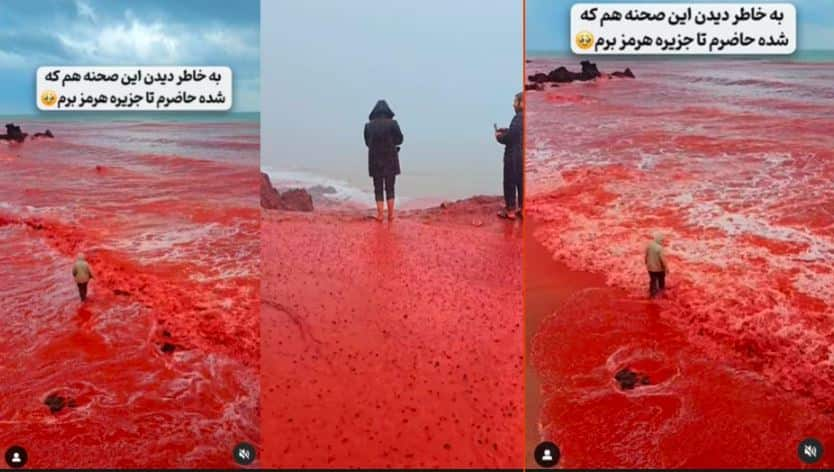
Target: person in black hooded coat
(383, 138)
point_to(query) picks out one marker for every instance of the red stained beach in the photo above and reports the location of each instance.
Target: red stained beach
(733, 162)
(166, 214)
(392, 345)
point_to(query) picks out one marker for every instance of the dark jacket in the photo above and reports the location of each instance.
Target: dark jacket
(513, 141)
(383, 138)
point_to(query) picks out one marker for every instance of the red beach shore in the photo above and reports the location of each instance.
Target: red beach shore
(392, 344)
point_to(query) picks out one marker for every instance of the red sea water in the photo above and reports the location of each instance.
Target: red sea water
(733, 161)
(167, 215)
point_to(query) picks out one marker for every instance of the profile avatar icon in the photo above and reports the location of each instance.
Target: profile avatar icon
(16, 457)
(547, 454)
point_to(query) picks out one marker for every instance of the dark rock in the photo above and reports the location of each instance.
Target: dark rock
(290, 200)
(56, 402)
(297, 200)
(13, 133)
(538, 77)
(562, 75)
(166, 334)
(589, 71)
(168, 348)
(45, 134)
(628, 379)
(534, 87)
(123, 293)
(624, 74)
(270, 198)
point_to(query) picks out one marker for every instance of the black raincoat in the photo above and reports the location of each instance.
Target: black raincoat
(383, 138)
(513, 140)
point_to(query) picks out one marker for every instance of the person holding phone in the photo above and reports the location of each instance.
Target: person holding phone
(513, 140)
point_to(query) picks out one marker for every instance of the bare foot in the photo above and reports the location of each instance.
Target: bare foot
(507, 215)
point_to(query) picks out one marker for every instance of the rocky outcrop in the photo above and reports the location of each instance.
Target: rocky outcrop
(562, 75)
(270, 198)
(290, 200)
(297, 199)
(13, 133)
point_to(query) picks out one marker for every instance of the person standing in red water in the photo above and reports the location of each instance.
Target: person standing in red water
(657, 266)
(82, 273)
(513, 140)
(383, 138)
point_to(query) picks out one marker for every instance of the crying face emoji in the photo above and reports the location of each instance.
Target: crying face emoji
(49, 98)
(584, 40)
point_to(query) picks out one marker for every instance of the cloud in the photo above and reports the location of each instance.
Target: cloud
(85, 10)
(134, 41)
(129, 42)
(90, 32)
(237, 43)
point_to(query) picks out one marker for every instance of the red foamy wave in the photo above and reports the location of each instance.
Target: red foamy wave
(231, 145)
(567, 99)
(101, 357)
(597, 424)
(163, 356)
(744, 200)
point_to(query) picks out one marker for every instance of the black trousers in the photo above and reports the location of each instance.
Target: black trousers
(82, 291)
(657, 283)
(513, 186)
(386, 183)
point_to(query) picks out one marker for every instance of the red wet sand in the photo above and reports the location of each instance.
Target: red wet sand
(736, 172)
(171, 232)
(392, 345)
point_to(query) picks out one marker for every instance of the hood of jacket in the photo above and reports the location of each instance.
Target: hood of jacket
(381, 110)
